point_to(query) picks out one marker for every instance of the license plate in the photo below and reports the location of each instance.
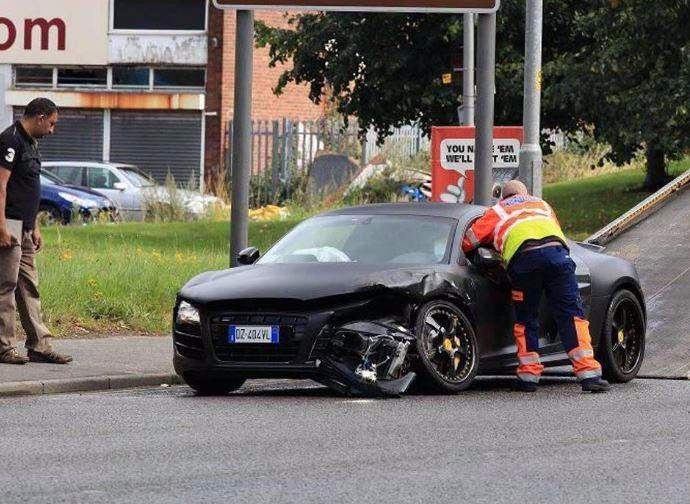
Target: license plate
(253, 334)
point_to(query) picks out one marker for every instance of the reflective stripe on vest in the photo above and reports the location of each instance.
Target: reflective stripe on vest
(518, 222)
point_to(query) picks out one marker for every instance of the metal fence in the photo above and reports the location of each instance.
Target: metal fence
(281, 146)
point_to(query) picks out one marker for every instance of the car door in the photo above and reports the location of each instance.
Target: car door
(495, 310)
(489, 294)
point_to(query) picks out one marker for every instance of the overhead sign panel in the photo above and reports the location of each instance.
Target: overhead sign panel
(481, 6)
(68, 32)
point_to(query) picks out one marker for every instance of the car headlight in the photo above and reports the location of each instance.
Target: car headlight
(76, 200)
(187, 314)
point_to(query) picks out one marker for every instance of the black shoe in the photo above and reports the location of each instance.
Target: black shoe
(51, 357)
(12, 356)
(595, 385)
(524, 386)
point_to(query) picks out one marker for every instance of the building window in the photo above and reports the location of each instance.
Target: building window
(89, 77)
(176, 78)
(33, 77)
(178, 15)
(131, 77)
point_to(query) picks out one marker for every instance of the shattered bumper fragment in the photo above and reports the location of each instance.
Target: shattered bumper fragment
(369, 358)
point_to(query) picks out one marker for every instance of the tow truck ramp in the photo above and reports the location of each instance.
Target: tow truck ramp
(655, 236)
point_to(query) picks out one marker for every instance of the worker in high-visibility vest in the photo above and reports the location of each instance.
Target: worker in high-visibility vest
(525, 230)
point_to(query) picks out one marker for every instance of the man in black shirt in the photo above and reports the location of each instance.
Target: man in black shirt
(20, 237)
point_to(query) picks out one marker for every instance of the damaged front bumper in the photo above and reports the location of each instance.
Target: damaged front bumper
(355, 358)
(369, 358)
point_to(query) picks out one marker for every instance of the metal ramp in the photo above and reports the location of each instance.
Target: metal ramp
(655, 236)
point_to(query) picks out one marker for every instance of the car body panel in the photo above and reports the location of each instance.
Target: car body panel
(51, 190)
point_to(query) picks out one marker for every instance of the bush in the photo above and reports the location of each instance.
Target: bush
(383, 188)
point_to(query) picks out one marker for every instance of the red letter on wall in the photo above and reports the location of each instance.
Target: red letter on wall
(45, 27)
(11, 33)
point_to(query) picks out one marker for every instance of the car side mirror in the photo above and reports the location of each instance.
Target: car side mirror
(487, 258)
(120, 186)
(248, 256)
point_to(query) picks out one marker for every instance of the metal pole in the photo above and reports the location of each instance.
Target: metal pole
(486, 67)
(530, 152)
(468, 70)
(242, 132)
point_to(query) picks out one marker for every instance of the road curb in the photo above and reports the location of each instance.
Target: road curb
(87, 384)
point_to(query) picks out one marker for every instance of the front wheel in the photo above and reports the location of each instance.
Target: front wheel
(622, 345)
(49, 214)
(447, 347)
(209, 387)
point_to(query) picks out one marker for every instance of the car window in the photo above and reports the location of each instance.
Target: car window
(51, 178)
(101, 178)
(72, 175)
(372, 239)
(137, 177)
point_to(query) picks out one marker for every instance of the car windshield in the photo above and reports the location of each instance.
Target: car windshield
(51, 179)
(368, 239)
(137, 177)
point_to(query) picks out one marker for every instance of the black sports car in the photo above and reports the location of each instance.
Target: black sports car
(365, 299)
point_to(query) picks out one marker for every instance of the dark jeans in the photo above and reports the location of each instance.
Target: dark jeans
(549, 270)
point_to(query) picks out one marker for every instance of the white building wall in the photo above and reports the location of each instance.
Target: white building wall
(5, 84)
(157, 49)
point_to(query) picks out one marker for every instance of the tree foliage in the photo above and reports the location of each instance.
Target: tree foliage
(630, 78)
(621, 66)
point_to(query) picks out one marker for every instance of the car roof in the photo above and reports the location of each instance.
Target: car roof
(451, 210)
(88, 163)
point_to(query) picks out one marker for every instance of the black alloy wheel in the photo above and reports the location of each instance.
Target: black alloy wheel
(205, 386)
(447, 347)
(621, 350)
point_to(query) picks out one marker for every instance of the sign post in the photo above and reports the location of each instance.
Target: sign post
(241, 145)
(531, 155)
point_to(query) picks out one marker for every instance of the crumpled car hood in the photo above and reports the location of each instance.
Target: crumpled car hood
(310, 281)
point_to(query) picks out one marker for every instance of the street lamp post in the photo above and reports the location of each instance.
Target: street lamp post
(530, 152)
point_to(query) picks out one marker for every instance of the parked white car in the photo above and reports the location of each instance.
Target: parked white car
(130, 188)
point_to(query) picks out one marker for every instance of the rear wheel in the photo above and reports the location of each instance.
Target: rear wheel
(209, 387)
(621, 349)
(447, 347)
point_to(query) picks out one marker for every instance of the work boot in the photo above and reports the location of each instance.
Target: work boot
(524, 386)
(595, 385)
(12, 356)
(51, 357)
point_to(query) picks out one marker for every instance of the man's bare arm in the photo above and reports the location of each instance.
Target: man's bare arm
(5, 236)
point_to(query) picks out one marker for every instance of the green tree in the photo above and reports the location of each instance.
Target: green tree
(620, 66)
(630, 78)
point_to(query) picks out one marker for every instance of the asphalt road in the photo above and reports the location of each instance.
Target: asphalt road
(293, 442)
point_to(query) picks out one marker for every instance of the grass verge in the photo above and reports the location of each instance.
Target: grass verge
(123, 278)
(586, 205)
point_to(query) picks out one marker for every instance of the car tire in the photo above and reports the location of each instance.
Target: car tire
(50, 214)
(622, 344)
(448, 351)
(208, 387)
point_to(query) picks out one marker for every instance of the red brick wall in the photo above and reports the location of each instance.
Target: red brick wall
(294, 103)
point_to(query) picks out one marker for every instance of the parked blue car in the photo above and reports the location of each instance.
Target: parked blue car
(61, 202)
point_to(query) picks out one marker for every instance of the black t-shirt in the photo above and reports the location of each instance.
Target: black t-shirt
(19, 153)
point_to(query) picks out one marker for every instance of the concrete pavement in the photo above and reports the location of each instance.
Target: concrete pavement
(300, 443)
(99, 364)
(118, 362)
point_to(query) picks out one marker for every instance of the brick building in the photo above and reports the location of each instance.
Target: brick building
(292, 103)
(148, 82)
